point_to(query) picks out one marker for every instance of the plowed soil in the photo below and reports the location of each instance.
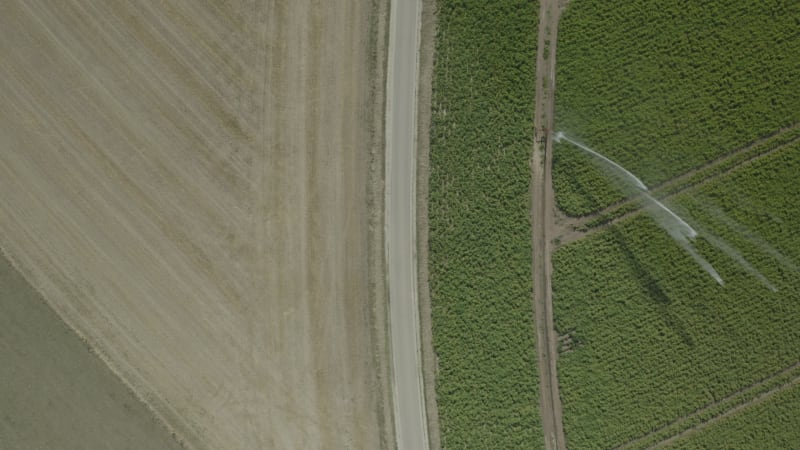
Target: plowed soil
(187, 185)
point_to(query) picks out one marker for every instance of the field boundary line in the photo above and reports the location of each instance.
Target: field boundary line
(794, 377)
(675, 182)
(163, 411)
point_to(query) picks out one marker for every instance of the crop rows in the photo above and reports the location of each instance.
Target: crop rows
(773, 423)
(480, 232)
(662, 87)
(715, 411)
(657, 337)
(733, 161)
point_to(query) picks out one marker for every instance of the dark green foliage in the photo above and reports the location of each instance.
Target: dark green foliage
(664, 86)
(480, 233)
(717, 410)
(582, 184)
(774, 423)
(654, 337)
(726, 164)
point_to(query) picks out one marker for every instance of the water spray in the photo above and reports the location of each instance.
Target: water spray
(687, 229)
(667, 219)
(754, 238)
(702, 262)
(636, 181)
(736, 256)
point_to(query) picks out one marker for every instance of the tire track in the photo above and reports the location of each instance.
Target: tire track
(543, 225)
(582, 228)
(759, 399)
(668, 185)
(745, 391)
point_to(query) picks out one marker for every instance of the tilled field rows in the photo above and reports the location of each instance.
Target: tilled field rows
(185, 182)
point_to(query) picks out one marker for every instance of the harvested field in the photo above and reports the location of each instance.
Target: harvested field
(41, 358)
(187, 185)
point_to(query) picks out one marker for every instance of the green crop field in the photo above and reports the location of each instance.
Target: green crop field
(655, 342)
(665, 86)
(701, 100)
(480, 233)
(772, 423)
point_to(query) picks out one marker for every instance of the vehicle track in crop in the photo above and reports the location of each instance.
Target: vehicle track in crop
(573, 229)
(678, 429)
(759, 399)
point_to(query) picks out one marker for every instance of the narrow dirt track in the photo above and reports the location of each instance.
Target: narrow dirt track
(186, 183)
(543, 225)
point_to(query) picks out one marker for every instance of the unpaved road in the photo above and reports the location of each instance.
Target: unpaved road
(401, 137)
(186, 183)
(543, 225)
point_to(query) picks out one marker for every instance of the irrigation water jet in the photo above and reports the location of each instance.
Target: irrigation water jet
(736, 256)
(636, 181)
(754, 238)
(701, 261)
(688, 231)
(666, 218)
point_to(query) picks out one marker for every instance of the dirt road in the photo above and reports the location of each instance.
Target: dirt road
(410, 420)
(186, 183)
(543, 225)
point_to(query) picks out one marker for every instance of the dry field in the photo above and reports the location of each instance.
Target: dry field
(41, 356)
(186, 183)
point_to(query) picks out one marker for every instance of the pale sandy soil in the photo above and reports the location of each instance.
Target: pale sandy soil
(54, 393)
(187, 185)
(544, 227)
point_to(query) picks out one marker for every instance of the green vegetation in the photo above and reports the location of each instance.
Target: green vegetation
(773, 423)
(730, 162)
(656, 338)
(581, 184)
(665, 86)
(654, 345)
(717, 410)
(480, 234)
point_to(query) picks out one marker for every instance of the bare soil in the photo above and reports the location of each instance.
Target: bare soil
(187, 185)
(544, 227)
(54, 392)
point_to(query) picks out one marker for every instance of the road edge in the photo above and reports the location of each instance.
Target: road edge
(376, 253)
(427, 50)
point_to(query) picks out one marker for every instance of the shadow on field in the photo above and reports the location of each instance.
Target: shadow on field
(660, 299)
(644, 278)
